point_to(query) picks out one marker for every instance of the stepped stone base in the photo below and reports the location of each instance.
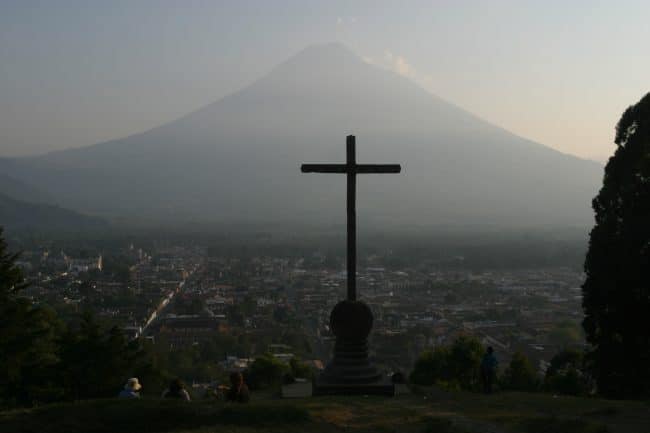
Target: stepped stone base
(350, 371)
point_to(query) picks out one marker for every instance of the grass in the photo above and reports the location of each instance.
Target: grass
(439, 412)
(137, 416)
(552, 425)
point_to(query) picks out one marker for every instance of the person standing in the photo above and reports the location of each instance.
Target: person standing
(489, 366)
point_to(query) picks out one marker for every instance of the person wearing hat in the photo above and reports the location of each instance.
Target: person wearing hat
(131, 389)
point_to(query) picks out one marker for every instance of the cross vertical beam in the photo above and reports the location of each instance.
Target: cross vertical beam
(351, 169)
(351, 162)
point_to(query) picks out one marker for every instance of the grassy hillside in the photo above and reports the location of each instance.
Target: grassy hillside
(433, 412)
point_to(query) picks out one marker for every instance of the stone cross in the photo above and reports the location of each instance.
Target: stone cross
(351, 169)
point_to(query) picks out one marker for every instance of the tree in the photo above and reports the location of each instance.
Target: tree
(453, 366)
(149, 371)
(520, 374)
(266, 371)
(28, 336)
(27, 341)
(42, 360)
(95, 361)
(616, 292)
(566, 333)
(431, 367)
(566, 374)
(465, 361)
(11, 277)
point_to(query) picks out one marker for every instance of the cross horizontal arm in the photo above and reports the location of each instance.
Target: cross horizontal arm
(378, 168)
(344, 168)
(324, 168)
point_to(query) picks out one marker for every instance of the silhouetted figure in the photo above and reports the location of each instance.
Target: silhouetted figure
(131, 389)
(398, 378)
(489, 366)
(177, 391)
(238, 391)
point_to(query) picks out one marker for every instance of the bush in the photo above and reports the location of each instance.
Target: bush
(455, 366)
(431, 367)
(566, 374)
(465, 361)
(520, 375)
(266, 371)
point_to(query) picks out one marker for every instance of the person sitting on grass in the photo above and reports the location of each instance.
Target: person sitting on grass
(177, 391)
(131, 389)
(238, 391)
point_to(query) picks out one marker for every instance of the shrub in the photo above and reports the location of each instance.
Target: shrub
(520, 375)
(566, 374)
(456, 365)
(266, 371)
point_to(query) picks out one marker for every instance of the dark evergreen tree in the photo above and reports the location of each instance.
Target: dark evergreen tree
(11, 277)
(42, 360)
(616, 293)
(95, 361)
(28, 350)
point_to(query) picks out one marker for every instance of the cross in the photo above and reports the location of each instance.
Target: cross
(351, 168)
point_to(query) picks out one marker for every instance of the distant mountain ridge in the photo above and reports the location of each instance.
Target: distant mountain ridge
(238, 159)
(22, 191)
(18, 215)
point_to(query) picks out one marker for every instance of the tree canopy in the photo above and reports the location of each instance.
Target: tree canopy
(11, 277)
(520, 375)
(616, 292)
(453, 366)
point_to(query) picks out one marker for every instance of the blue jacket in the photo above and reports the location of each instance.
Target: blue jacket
(128, 393)
(489, 362)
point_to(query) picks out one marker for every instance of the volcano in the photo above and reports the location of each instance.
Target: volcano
(238, 159)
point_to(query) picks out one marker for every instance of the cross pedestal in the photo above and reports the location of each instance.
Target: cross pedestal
(350, 371)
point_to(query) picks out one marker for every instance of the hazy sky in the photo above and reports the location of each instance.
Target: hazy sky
(73, 73)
